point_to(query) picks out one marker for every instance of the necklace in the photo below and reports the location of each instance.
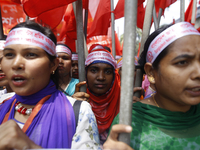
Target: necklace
(155, 101)
(23, 110)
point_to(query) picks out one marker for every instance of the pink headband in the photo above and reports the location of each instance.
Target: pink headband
(168, 36)
(101, 56)
(118, 57)
(31, 37)
(64, 49)
(74, 56)
(120, 64)
(2, 44)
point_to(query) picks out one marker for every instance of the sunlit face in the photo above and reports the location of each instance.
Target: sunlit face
(100, 77)
(3, 80)
(75, 69)
(178, 76)
(27, 68)
(64, 64)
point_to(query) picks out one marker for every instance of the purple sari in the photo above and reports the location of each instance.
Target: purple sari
(54, 124)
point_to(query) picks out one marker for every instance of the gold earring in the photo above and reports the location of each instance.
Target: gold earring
(53, 72)
(151, 79)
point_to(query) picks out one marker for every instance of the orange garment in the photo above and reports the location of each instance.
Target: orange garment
(106, 107)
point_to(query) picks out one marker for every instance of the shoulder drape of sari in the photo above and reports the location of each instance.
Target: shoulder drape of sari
(71, 87)
(157, 128)
(52, 122)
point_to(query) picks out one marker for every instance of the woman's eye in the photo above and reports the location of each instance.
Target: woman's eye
(66, 58)
(93, 70)
(183, 62)
(31, 55)
(108, 71)
(8, 55)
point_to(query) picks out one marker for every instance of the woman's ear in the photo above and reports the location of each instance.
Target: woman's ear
(149, 72)
(54, 64)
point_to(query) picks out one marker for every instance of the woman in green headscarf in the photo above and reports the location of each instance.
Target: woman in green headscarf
(169, 119)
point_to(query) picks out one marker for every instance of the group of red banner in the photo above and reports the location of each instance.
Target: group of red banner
(59, 15)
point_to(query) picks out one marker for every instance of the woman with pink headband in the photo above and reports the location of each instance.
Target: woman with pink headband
(6, 92)
(74, 69)
(169, 119)
(66, 82)
(39, 115)
(136, 89)
(103, 86)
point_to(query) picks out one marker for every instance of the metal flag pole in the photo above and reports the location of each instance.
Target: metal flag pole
(113, 27)
(86, 19)
(27, 17)
(1, 26)
(182, 10)
(155, 20)
(126, 97)
(194, 12)
(80, 43)
(159, 14)
(145, 34)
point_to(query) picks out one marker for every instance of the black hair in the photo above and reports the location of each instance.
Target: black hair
(4, 37)
(142, 59)
(107, 48)
(47, 32)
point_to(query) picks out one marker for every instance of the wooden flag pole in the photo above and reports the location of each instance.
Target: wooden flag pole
(80, 43)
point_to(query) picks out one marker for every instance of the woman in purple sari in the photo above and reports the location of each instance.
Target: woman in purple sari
(39, 115)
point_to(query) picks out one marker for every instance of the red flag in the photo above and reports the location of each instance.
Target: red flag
(118, 47)
(12, 14)
(119, 9)
(163, 4)
(33, 8)
(52, 18)
(188, 13)
(119, 12)
(69, 24)
(16, 1)
(101, 20)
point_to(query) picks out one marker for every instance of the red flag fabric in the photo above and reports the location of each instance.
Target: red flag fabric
(105, 40)
(188, 13)
(12, 14)
(163, 4)
(52, 18)
(69, 24)
(101, 20)
(119, 9)
(34, 8)
(119, 12)
(16, 1)
(118, 47)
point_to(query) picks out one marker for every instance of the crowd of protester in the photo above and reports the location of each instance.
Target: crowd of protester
(41, 105)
